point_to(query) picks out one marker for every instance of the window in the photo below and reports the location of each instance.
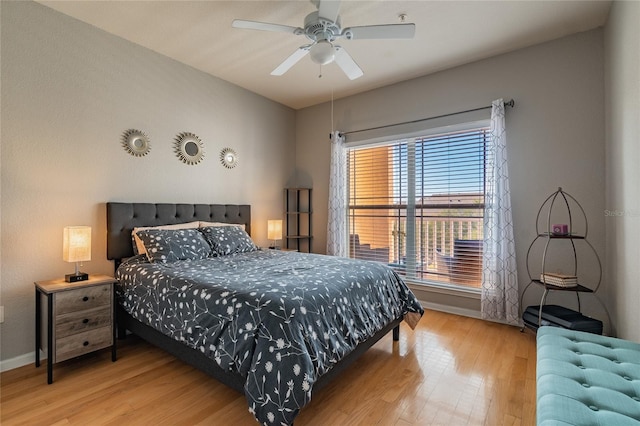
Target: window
(417, 204)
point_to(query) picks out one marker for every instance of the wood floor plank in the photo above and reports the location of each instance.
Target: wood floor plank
(451, 370)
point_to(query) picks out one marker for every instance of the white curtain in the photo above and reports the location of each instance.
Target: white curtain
(337, 239)
(499, 300)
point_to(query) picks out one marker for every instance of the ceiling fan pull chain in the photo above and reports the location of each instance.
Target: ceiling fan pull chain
(320, 72)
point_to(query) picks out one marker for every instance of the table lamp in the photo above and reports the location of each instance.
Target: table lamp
(76, 247)
(274, 231)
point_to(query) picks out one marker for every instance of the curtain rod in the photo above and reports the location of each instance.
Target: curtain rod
(509, 103)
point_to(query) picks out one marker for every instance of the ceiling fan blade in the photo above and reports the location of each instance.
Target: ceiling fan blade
(328, 9)
(380, 31)
(291, 60)
(263, 26)
(347, 64)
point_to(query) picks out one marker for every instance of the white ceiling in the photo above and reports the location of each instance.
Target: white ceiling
(448, 33)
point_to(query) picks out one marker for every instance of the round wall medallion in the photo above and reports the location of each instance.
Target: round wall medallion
(136, 142)
(189, 148)
(228, 158)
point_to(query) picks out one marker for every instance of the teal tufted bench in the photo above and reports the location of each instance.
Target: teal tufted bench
(586, 379)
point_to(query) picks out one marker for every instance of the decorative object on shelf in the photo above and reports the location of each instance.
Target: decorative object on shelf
(228, 158)
(561, 205)
(559, 316)
(136, 142)
(76, 247)
(189, 148)
(560, 229)
(560, 280)
(274, 231)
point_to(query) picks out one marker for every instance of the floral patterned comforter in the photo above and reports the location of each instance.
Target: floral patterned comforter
(281, 319)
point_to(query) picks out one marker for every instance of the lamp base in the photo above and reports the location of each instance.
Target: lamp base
(73, 278)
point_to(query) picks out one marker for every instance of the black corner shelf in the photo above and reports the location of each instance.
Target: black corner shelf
(298, 210)
(578, 287)
(551, 235)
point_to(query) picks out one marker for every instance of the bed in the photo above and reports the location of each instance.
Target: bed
(273, 325)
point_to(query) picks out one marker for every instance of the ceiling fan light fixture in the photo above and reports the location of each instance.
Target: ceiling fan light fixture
(322, 28)
(322, 52)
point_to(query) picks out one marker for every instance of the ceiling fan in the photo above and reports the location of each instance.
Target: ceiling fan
(323, 28)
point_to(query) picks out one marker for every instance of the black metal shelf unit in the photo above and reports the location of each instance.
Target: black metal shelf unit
(298, 210)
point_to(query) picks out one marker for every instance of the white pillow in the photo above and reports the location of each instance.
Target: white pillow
(140, 245)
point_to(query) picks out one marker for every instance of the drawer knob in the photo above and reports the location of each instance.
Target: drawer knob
(85, 321)
(85, 344)
(84, 299)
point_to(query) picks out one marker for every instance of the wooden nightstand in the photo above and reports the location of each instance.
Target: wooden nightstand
(80, 318)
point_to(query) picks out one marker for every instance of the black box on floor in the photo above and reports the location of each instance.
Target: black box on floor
(558, 316)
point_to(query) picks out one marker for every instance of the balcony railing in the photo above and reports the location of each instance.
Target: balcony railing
(446, 249)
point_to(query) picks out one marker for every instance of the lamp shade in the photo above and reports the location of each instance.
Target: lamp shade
(76, 244)
(274, 229)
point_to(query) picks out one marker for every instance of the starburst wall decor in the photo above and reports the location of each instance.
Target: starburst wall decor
(136, 142)
(228, 158)
(189, 148)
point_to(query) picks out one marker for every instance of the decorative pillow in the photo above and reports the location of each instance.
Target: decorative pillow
(226, 240)
(167, 245)
(204, 224)
(138, 247)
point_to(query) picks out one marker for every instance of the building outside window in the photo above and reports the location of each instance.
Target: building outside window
(417, 204)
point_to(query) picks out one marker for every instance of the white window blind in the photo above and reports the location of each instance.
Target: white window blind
(417, 204)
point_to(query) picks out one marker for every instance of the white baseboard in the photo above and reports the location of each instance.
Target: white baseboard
(20, 361)
(451, 309)
(462, 312)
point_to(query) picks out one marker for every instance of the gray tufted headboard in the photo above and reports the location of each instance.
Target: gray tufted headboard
(123, 217)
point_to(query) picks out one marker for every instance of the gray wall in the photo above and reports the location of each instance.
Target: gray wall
(622, 215)
(555, 135)
(69, 91)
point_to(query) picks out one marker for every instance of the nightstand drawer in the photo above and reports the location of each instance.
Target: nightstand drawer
(82, 298)
(82, 343)
(76, 322)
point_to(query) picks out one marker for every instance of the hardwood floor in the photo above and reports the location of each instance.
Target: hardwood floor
(451, 370)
